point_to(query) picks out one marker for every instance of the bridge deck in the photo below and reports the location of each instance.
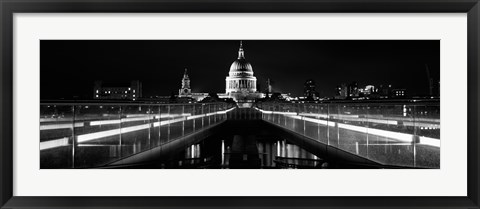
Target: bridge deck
(90, 136)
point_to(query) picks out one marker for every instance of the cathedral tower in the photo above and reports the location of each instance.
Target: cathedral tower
(185, 90)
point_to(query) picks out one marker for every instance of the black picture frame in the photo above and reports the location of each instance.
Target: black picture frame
(9, 7)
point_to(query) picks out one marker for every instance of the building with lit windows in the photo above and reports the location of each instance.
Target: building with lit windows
(309, 91)
(398, 93)
(117, 92)
(385, 91)
(341, 92)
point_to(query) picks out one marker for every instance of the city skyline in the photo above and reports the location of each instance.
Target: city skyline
(159, 65)
(243, 126)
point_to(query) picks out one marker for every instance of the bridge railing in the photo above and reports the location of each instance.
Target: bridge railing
(95, 134)
(401, 134)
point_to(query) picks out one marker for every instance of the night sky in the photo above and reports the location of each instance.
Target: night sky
(69, 67)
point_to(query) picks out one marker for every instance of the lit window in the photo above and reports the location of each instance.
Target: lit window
(97, 92)
(96, 95)
(134, 91)
(125, 92)
(134, 95)
(129, 89)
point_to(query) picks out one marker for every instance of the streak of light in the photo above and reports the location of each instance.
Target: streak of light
(402, 137)
(59, 126)
(54, 143)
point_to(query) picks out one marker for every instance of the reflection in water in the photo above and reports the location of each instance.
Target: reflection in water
(246, 152)
(281, 154)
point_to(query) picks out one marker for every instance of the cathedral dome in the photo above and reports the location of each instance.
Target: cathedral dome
(240, 83)
(241, 67)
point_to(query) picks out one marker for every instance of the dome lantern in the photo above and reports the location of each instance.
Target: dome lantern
(241, 54)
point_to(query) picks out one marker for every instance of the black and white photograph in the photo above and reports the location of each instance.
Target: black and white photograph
(239, 104)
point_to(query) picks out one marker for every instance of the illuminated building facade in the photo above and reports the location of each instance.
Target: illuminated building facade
(118, 92)
(241, 84)
(185, 91)
(369, 89)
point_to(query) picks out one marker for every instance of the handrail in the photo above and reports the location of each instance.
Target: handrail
(384, 133)
(123, 103)
(95, 143)
(359, 102)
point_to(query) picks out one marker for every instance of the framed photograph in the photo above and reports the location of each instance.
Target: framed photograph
(263, 104)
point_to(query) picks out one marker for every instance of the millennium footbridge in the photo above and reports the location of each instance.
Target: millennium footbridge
(393, 134)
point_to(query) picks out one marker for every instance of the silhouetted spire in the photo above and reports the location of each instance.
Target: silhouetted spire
(240, 51)
(185, 75)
